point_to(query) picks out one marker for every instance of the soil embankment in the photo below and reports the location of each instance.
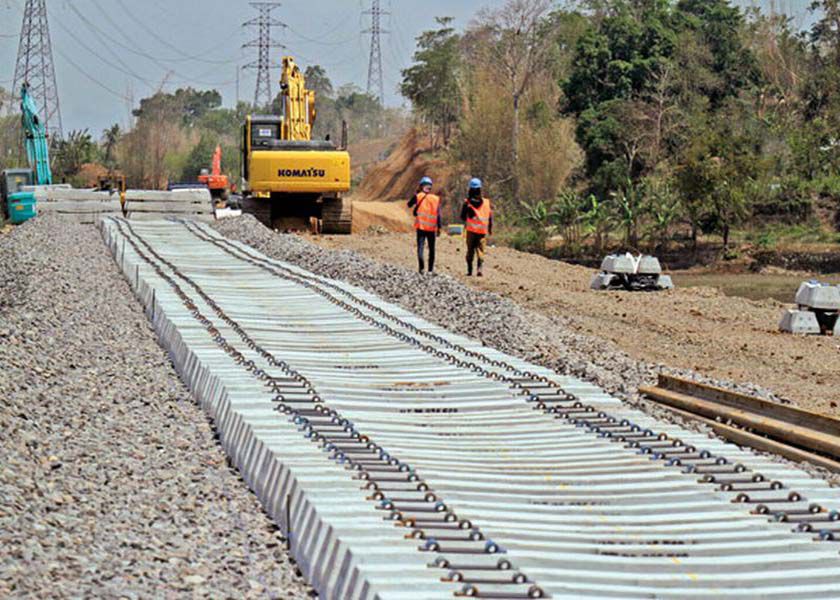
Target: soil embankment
(379, 199)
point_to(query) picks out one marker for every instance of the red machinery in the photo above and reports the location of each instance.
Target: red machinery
(216, 182)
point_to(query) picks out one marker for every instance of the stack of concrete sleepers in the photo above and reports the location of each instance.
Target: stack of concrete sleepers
(149, 205)
(817, 311)
(83, 206)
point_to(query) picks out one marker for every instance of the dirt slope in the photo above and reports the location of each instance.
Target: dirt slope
(381, 216)
(396, 177)
(699, 329)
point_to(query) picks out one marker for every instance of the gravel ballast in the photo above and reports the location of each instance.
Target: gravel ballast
(112, 483)
(488, 317)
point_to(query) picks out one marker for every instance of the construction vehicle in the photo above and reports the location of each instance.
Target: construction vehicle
(215, 181)
(20, 205)
(288, 177)
(114, 183)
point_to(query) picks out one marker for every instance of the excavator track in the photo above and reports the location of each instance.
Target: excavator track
(259, 208)
(337, 216)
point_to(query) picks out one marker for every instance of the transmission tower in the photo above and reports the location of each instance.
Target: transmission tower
(376, 80)
(264, 43)
(35, 66)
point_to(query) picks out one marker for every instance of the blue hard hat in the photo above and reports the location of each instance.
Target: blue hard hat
(475, 184)
(426, 181)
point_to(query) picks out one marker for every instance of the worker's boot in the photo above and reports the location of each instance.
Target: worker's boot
(469, 269)
(479, 273)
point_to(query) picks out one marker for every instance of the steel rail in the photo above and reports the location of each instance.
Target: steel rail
(519, 480)
(791, 432)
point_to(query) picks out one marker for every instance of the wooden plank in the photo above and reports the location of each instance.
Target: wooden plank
(791, 414)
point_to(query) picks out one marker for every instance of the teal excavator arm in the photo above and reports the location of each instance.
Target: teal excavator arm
(35, 139)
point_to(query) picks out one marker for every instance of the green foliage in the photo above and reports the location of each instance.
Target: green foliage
(527, 240)
(110, 141)
(432, 84)
(70, 153)
(644, 73)
(10, 143)
(318, 81)
(366, 118)
(187, 103)
(200, 157)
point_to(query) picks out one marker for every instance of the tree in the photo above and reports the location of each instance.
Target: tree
(432, 84)
(110, 139)
(190, 104)
(70, 153)
(318, 82)
(521, 40)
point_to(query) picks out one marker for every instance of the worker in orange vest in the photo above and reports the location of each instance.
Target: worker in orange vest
(427, 221)
(477, 213)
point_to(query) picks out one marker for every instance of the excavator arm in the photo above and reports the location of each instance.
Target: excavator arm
(35, 139)
(298, 104)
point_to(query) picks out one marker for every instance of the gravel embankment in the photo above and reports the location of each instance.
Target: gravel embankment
(112, 483)
(496, 321)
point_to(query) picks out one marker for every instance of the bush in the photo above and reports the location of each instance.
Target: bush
(526, 240)
(791, 200)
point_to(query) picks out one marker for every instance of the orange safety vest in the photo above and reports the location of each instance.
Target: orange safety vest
(428, 207)
(478, 219)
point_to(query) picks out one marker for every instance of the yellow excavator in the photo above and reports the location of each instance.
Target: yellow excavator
(289, 178)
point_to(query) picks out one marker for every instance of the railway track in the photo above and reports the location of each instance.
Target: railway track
(403, 461)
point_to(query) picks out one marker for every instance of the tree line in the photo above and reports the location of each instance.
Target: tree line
(638, 122)
(173, 135)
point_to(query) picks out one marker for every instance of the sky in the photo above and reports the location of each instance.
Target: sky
(111, 53)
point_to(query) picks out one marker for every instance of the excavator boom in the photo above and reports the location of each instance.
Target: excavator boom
(217, 162)
(298, 104)
(35, 139)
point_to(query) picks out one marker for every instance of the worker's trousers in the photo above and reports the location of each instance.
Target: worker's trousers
(476, 247)
(422, 238)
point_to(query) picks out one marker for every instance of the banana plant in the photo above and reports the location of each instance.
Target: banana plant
(596, 220)
(628, 201)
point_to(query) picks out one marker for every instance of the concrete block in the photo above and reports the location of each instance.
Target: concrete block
(800, 322)
(64, 195)
(837, 328)
(815, 295)
(197, 196)
(227, 213)
(624, 264)
(602, 281)
(649, 265)
(665, 282)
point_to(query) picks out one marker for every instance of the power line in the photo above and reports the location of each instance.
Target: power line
(264, 43)
(91, 78)
(121, 67)
(104, 34)
(375, 74)
(184, 57)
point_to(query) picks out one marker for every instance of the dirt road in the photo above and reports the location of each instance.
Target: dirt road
(698, 329)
